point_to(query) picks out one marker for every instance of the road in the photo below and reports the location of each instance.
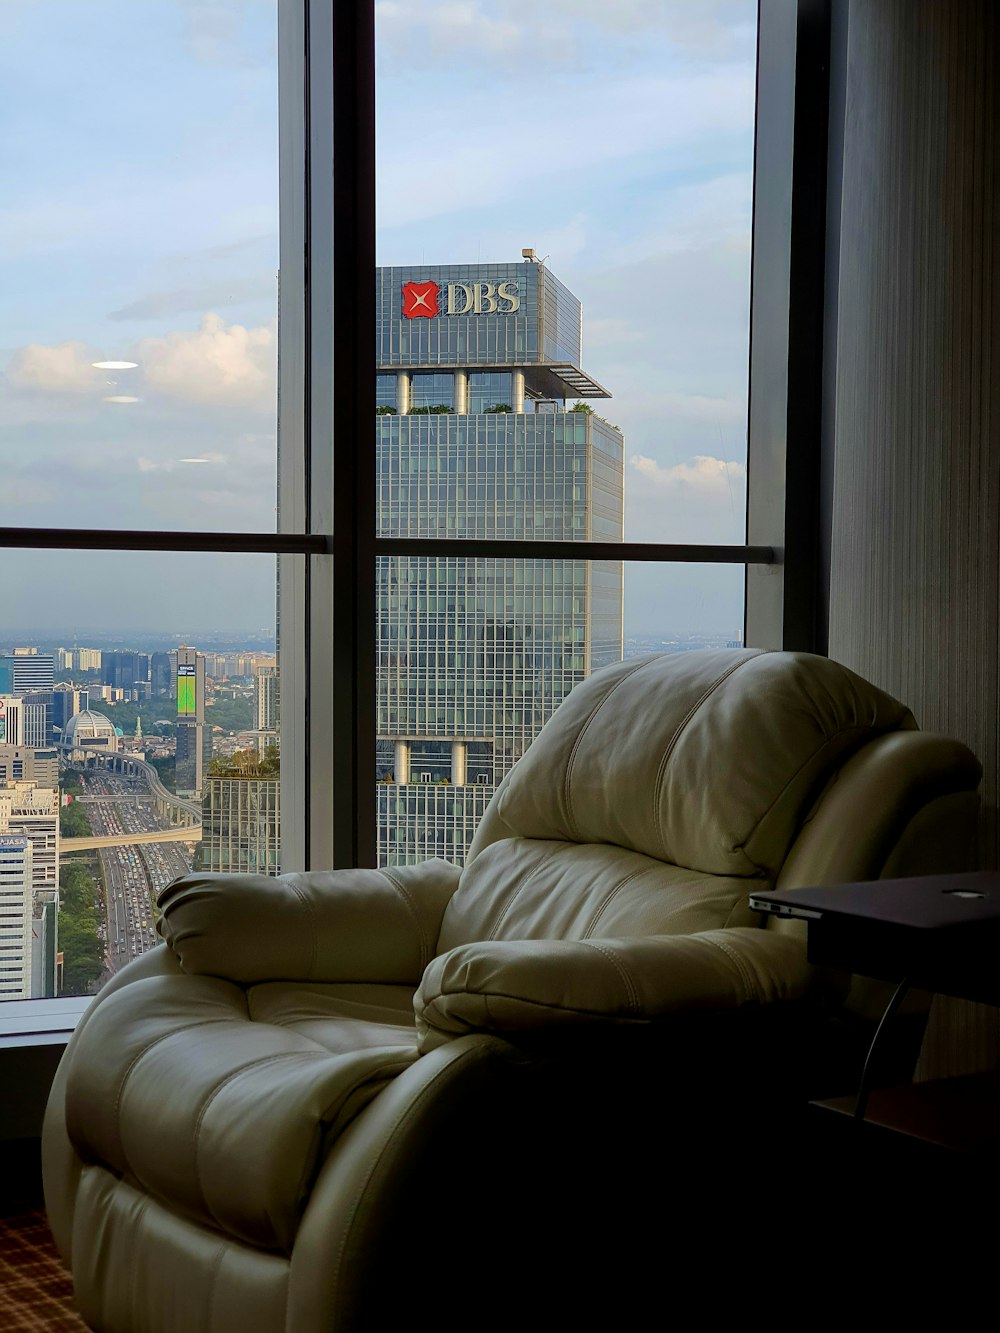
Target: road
(173, 833)
(134, 873)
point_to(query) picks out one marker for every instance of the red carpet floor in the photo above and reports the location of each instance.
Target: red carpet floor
(36, 1293)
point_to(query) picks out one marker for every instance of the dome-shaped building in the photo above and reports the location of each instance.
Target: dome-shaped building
(86, 732)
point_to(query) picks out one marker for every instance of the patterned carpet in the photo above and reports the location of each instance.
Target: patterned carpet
(36, 1293)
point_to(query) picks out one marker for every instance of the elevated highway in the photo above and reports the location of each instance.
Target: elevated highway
(179, 833)
(176, 809)
(182, 815)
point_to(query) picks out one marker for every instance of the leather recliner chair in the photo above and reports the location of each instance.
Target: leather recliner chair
(328, 1087)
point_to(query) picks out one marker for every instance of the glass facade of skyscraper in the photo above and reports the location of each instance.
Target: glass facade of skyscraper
(474, 654)
(240, 824)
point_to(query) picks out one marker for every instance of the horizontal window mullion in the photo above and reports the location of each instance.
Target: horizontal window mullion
(128, 539)
(515, 549)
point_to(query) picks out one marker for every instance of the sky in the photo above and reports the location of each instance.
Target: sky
(138, 146)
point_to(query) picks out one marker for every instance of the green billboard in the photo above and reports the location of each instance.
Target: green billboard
(186, 706)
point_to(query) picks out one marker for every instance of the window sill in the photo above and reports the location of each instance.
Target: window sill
(40, 1022)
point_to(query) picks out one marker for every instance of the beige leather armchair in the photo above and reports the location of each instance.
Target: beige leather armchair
(328, 1096)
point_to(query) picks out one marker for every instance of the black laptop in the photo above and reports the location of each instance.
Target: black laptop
(942, 932)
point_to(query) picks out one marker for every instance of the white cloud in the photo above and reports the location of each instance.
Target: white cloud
(408, 32)
(709, 29)
(63, 368)
(708, 476)
(217, 364)
(170, 464)
(702, 499)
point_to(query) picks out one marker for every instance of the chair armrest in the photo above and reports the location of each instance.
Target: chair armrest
(337, 925)
(522, 986)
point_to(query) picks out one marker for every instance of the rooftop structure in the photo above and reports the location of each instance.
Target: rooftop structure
(88, 730)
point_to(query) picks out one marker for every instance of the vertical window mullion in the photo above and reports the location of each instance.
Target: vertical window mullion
(342, 215)
(293, 503)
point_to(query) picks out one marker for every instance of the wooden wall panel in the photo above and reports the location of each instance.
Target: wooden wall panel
(915, 558)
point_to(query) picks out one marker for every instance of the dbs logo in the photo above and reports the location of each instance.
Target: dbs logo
(420, 300)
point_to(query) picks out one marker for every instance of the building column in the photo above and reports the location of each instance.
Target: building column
(459, 763)
(403, 382)
(461, 392)
(402, 765)
(517, 390)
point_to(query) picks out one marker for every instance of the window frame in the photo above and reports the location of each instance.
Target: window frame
(328, 66)
(325, 543)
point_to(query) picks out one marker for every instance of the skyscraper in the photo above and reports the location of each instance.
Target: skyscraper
(38, 766)
(15, 917)
(38, 711)
(33, 811)
(190, 756)
(474, 366)
(87, 659)
(240, 819)
(11, 720)
(265, 696)
(162, 672)
(125, 670)
(26, 670)
(29, 888)
(67, 701)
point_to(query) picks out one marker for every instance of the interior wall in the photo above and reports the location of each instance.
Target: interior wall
(26, 1075)
(915, 546)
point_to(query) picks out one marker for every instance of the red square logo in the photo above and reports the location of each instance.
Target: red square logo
(420, 300)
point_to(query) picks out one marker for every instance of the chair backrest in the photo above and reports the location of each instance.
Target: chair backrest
(661, 791)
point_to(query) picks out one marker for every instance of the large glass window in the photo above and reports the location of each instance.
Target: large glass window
(560, 359)
(593, 321)
(139, 265)
(139, 739)
(140, 690)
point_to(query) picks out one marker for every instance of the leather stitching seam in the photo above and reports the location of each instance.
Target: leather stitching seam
(751, 990)
(608, 898)
(661, 772)
(233, 1074)
(858, 727)
(571, 762)
(313, 932)
(529, 872)
(626, 980)
(422, 936)
(187, 1027)
(213, 1284)
(637, 1014)
(134, 1284)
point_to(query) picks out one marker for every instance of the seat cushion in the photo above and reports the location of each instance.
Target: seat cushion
(223, 1102)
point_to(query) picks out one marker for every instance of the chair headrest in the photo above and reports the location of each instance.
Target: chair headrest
(709, 760)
